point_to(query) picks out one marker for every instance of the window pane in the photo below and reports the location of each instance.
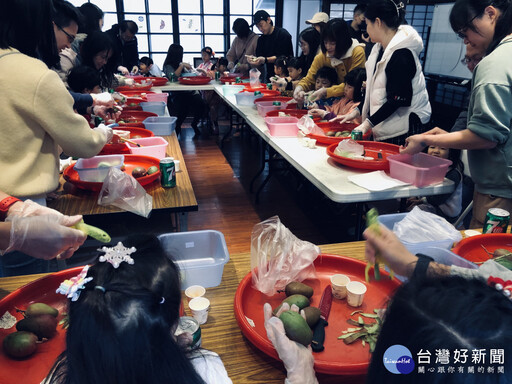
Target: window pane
(105, 5)
(140, 20)
(76, 3)
(216, 42)
(160, 6)
(109, 20)
(160, 43)
(189, 6)
(142, 41)
(212, 6)
(190, 24)
(189, 57)
(233, 18)
(158, 59)
(134, 6)
(191, 43)
(160, 23)
(242, 7)
(213, 24)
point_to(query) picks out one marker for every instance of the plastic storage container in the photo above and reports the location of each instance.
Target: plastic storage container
(230, 90)
(150, 146)
(246, 98)
(96, 168)
(200, 255)
(419, 169)
(267, 106)
(161, 126)
(390, 220)
(157, 107)
(282, 126)
(152, 97)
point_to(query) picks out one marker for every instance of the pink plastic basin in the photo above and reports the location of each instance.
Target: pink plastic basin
(419, 169)
(150, 146)
(157, 97)
(282, 126)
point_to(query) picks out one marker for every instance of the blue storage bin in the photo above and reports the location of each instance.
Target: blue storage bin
(161, 125)
(157, 107)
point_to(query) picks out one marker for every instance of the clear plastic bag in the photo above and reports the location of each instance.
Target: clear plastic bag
(254, 76)
(307, 126)
(278, 257)
(413, 228)
(123, 191)
(349, 148)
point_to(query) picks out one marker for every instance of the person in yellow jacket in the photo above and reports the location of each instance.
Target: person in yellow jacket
(339, 51)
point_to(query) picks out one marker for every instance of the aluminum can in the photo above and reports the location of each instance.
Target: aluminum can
(187, 324)
(496, 221)
(238, 80)
(257, 93)
(217, 75)
(277, 103)
(269, 86)
(167, 172)
(356, 135)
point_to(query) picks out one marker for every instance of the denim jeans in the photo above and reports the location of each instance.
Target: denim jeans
(17, 263)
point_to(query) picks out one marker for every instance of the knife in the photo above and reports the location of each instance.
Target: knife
(319, 332)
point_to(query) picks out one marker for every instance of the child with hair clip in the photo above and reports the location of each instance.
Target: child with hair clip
(352, 98)
(122, 319)
(280, 79)
(295, 73)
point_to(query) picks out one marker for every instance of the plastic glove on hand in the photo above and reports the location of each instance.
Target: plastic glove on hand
(135, 69)
(317, 95)
(123, 70)
(29, 208)
(104, 99)
(364, 127)
(298, 93)
(231, 65)
(43, 237)
(317, 112)
(105, 131)
(348, 117)
(298, 360)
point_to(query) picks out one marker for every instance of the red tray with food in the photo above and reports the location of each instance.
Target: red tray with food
(129, 117)
(481, 248)
(133, 104)
(135, 87)
(232, 78)
(156, 81)
(122, 148)
(130, 162)
(194, 80)
(331, 129)
(338, 358)
(33, 369)
(372, 161)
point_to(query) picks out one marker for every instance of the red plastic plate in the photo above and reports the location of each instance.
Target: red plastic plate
(112, 149)
(372, 149)
(471, 248)
(130, 162)
(133, 104)
(337, 358)
(136, 87)
(34, 369)
(136, 94)
(157, 81)
(336, 127)
(282, 99)
(130, 117)
(194, 80)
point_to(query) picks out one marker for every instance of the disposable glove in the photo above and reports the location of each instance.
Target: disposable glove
(298, 360)
(231, 65)
(348, 117)
(319, 94)
(298, 93)
(364, 127)
(129, 82)
(44, 237)
(30, 208)
(135, 69)
(259, 60)
(107, 113)
(105, 131)
(104, 99)
(318, 112)
(123, 70)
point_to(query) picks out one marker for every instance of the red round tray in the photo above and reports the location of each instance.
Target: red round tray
(326, 127)
(157, 81)
(139, 88)
(130, 117)
(122, 148)
(130, 162)
(372, 148)
(282, 99)
(471, 248)
(136, 94)
(194, 80)
(337, 358)
(34, 369)
(133, 104)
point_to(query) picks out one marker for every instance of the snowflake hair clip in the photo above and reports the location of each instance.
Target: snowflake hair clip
(116, 255)
(71, 288)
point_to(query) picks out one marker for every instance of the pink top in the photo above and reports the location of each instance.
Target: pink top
(344, 106)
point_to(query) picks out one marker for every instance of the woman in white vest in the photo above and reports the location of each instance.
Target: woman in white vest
(396, 103)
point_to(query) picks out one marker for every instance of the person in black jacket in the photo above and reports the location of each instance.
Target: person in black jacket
(127, 47)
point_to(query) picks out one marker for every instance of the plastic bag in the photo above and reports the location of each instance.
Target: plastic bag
(254, 75)
(349, 148)
(307, 126)
(123, 191)
(278, 257)
(419, 226)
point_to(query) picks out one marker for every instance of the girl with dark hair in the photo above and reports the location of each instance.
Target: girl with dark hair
(309, 41)
(121, 326)
(92, 18)
(339, 51)
(396, 102)
(244, 44)
(182, 103)
(485, 26)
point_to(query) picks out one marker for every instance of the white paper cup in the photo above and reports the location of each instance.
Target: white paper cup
(199, 307)
(355, 293)
(177, 165)
(194, 291)
(339, 285)
(312, 143)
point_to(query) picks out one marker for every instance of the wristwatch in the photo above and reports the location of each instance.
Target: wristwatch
(420, 271)
(4, 206)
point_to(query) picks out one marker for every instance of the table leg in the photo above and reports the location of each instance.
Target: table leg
(183, 221)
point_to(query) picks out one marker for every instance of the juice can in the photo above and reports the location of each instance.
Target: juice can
(356, 135)
(187, 324)
(167, 172)
(217, 75)
(496, 221)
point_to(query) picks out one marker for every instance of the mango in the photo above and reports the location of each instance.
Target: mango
(296, 327)
(36, 309)
(296, 288)
(312, 315)
(20, 344)
(300, 301)
(43, 326)
(152, 169)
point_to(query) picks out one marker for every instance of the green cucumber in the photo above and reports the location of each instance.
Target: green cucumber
(94, 232)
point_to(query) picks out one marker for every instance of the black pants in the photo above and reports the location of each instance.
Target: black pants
(186, 103)
(415, 128)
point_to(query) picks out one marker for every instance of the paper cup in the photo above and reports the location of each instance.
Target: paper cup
(177, 165)
(312, 143)
(199, 307)
(339, 285)
(355, 293)
(194, 291)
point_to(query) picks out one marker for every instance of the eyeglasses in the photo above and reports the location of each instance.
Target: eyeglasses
(70, 37)
(468, 60)
(462, 32)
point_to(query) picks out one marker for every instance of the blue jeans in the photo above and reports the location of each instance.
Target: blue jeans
(17, 263)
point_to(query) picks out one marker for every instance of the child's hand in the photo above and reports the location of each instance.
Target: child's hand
(318, 112)
(317, 95)
(135, 69)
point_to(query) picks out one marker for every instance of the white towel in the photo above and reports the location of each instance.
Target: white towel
(376, 181)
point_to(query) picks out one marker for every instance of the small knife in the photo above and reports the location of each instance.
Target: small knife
(319, 332)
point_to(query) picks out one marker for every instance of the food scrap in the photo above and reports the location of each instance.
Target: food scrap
(367, 332)
(372, 223)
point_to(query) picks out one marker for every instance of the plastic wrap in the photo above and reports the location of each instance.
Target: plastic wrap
(307, 126)
(254, 75)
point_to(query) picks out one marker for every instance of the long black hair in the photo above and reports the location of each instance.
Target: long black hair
(356, 78)
(449, 313)
(28, 26)
(92, 14)
(337, 30)
(95, 43)
(312, 37)
(120, 327)
(391, 12)
(174, 56)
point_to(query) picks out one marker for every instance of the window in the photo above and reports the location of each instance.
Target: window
(246, 8)
(107, 6)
